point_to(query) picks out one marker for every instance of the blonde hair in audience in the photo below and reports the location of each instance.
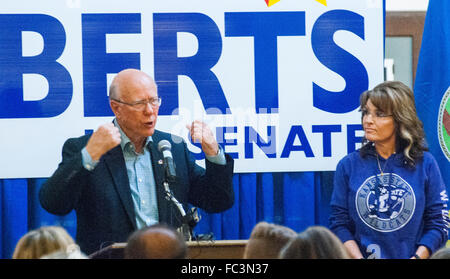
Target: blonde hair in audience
(72, 252)
(266, 240)
(42, 241)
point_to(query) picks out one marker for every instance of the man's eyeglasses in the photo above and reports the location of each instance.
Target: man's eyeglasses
(376, 115)
(141, 105)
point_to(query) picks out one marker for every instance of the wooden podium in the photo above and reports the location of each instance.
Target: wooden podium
(220, 249)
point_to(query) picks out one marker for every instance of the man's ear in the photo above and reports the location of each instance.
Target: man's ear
(114, 107)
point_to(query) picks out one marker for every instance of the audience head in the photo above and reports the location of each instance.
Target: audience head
(443, 253)
(316, 242)
(42, 241)
(266, 241)
(158, 241)
(71, 252)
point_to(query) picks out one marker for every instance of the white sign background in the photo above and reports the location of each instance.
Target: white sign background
(31, 147)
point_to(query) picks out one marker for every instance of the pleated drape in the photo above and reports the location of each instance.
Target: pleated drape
(297, 200)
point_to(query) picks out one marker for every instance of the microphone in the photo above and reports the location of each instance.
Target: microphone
(165, 147)
(188, 220)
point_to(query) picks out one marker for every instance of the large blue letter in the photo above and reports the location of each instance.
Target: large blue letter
(220, 135)
(269, 148)
(339, 61)
(352, 139)
(13, 65)
(297, 131)
(168, 66)
(326, 131)
(265, 27)
(97, 63)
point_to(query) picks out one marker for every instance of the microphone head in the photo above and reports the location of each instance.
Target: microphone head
(164, 145)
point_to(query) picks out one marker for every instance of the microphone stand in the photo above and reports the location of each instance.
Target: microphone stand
(189, 221)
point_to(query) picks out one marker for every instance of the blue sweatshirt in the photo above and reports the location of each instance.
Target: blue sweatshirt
(389, 215)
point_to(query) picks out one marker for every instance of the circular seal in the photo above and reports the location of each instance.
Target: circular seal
(385, 203)
(444, 124)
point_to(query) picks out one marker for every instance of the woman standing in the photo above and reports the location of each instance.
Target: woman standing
(389, 199)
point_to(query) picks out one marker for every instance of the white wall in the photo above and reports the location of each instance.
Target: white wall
(406, 5)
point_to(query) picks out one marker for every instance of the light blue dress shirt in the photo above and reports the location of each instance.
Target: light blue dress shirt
(141, 178)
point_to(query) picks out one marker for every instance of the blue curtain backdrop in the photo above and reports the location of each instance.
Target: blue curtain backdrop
(297, 200)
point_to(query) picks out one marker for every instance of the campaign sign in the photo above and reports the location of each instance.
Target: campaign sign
(278, 82)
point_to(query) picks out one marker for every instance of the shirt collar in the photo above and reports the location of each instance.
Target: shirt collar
(124, 138)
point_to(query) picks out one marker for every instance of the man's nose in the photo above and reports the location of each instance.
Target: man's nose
(148, 108)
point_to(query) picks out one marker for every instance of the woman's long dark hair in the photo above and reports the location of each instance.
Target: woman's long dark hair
(393, 97)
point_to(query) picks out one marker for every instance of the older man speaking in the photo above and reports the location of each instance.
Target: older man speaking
(114, 177)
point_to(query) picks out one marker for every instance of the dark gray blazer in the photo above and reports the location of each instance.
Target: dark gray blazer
(102, 198)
